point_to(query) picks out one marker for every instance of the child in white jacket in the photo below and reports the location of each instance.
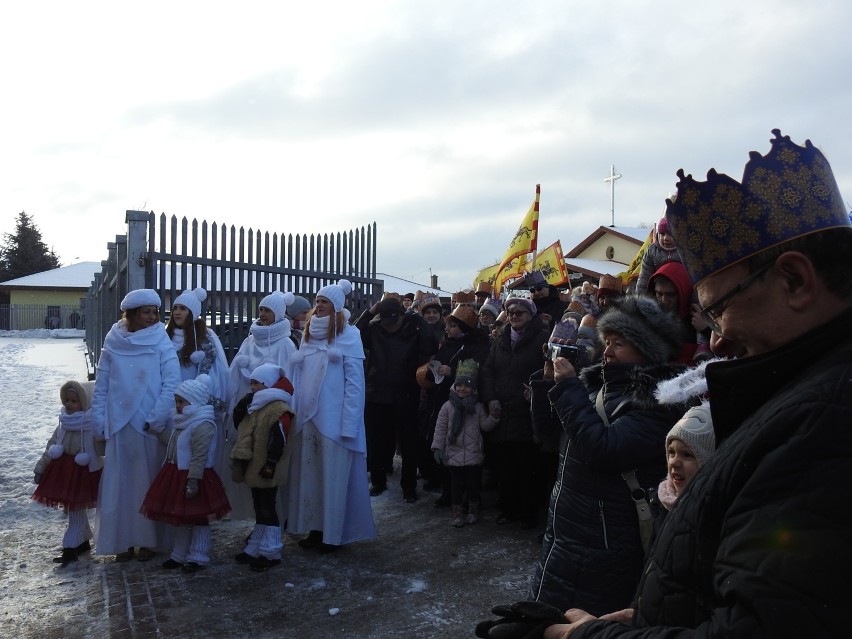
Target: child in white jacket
(458, 442)
(69, 471)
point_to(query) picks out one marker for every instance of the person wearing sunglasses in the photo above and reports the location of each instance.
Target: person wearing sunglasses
(762, 543)
(514, 355)
(545, 297)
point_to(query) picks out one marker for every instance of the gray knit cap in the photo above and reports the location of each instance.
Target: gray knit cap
(656, 333)
(695, 429)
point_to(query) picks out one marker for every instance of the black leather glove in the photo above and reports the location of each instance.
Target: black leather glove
(521, 620)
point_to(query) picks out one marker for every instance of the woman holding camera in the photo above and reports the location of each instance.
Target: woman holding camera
(592, 554)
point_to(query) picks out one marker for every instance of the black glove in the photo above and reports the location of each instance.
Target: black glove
(267, 471)
(521, 620)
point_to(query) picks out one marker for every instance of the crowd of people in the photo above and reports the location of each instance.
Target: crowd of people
(674, 493)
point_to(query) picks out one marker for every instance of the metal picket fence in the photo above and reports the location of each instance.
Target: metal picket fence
(236, 266)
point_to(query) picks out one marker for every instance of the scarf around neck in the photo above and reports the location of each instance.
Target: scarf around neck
(464, 406)
(268, 395)
(271, 333)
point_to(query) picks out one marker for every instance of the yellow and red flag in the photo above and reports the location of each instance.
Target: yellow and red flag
(488, 274)
(524, 242)
(632, 271)
(552, 265)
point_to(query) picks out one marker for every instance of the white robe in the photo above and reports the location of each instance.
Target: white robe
(328, 488)
(137, 376)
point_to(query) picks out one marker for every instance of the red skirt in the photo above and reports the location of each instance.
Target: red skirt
(166, 502)
(67, 485)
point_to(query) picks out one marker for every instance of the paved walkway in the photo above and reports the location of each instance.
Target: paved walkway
(420, 579)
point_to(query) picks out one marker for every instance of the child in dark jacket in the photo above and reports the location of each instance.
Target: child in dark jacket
(458, 442)
(263, 417)
(69, 471)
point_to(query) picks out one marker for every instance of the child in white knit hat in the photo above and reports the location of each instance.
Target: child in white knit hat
(69, 471)
(187, 492)
(689, 444)
(264, 417)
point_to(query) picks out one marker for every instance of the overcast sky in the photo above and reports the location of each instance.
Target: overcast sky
(435, 119)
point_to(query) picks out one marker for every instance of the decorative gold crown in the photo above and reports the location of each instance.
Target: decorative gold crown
(788, 193)
(609, 283)
(463, 297)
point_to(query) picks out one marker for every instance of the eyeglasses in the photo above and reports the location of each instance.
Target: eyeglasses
(537, 287)
(713, 312)
(517, 313)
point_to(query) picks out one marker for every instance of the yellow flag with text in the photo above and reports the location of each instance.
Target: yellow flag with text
(552, 265)
(524, 242)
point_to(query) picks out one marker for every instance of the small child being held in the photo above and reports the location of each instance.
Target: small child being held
(263, 417)
(689, 444)
(187, 492)
(458, 442)
(69, 471)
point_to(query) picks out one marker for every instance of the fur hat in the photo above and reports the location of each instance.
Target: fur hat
(299, 305)
(528, 304)
(336, 293)
(83, 395)
(653, 331)
(192, 300)
(140, 297)
(466, 373)
(277, 302)
(695, 429)
(267, 374)
(491, 306)
(465, 317)
(195, 391)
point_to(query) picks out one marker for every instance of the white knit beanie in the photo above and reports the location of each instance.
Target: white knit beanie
(267, 374)
(336, 293)
(278, 302)
(192, 300)
(695, 429)
(195, 391)
(140, 297)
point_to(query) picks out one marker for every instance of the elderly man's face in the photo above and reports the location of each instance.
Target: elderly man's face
(754, 321)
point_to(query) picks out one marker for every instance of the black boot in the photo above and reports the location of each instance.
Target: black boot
(313, 540)
(68, 555)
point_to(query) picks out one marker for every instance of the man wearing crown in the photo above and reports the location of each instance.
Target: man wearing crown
(760, 544)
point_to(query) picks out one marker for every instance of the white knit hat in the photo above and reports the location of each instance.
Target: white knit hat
(195, 391)
(140, 297)
(336, 293)
(267, 374)
(695, 429)
(278, 302)
(192, 300)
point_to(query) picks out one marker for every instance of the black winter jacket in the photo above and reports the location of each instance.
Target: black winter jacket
(592, 554)
(505, 375)
(760, 543)
(393, 358)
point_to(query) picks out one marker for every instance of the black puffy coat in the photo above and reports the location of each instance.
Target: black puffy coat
(505, 375)
(592, 554)
(760, 543)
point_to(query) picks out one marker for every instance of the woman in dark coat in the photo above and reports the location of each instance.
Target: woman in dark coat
(515, 354)
(592, 553)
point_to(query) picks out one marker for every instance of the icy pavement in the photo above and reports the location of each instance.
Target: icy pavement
(420, 579)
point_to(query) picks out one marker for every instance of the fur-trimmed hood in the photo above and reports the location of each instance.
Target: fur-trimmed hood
(638, 382)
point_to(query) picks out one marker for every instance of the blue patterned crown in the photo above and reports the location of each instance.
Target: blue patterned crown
(788, 193)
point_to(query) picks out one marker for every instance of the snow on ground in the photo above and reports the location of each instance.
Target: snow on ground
(421, 577)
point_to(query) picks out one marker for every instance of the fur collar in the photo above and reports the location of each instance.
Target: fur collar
(638, 382)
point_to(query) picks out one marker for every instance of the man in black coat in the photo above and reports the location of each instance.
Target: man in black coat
(396, 343)
(760, 543)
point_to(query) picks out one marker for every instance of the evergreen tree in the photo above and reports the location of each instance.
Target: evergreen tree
(24, 252)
